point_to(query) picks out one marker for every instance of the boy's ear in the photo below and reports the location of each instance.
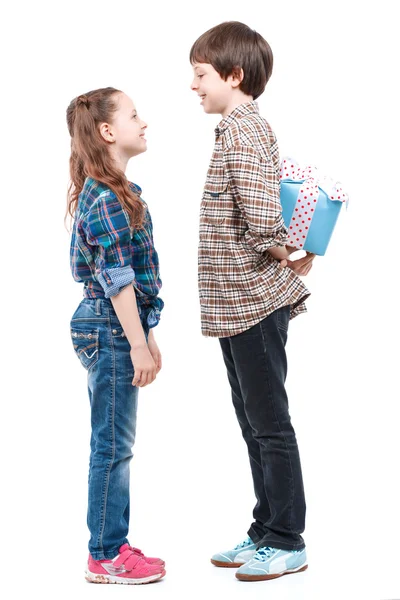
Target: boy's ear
(237, 76)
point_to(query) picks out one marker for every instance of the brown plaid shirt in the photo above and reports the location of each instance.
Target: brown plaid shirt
(240, 283)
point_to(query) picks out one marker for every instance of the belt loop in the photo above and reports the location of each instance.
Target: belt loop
(98, 306)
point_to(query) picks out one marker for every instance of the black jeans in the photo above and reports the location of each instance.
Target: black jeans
(256, 363)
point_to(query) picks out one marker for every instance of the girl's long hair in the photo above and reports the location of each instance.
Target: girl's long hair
(90, 156)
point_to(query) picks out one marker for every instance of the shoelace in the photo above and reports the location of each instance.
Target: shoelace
(245, 542)
(264, 553)
(267, 552)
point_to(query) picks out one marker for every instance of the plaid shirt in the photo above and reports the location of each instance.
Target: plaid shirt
(107, 254)
(240, 283)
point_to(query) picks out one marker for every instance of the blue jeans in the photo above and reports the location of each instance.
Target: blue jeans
(256, 366)
(104, 351)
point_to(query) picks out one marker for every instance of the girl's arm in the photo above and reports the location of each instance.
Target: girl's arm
(108, 228)
(125, 306)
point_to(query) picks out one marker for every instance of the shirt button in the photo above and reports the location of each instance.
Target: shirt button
(114, 331)
(90, 336)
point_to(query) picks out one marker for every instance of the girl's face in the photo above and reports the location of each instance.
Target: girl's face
(126, 131)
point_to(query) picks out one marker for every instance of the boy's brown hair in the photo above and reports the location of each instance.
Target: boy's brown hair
(232, 46)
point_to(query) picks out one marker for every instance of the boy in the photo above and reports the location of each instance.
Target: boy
(249, 290)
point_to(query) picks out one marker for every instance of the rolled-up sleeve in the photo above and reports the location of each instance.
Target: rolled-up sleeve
(256, 188)
(107, 228)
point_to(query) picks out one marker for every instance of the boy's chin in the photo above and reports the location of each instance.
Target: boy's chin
(210, 110)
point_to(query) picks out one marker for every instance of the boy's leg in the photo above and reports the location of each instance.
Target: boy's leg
(261, 511)
(260, 362)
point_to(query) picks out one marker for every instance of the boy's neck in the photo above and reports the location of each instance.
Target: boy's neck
(235, 101)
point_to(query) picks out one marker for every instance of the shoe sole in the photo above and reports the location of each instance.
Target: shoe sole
(99, 578)
(219, 563)
(244, 577)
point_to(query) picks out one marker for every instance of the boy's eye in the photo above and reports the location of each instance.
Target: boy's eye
(200, 76)
(134, 116)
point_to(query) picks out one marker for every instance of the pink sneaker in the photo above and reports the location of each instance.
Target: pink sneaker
(148, 559)
(128, 567)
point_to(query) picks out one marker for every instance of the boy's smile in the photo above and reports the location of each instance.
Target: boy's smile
(208, 85)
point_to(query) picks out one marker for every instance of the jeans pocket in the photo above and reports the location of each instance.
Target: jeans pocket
(86, 345)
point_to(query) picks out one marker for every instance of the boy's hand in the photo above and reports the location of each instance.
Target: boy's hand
(301, 266)
(154, 350)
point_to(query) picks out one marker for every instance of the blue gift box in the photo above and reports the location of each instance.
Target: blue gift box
(310, 205)
(322, 222)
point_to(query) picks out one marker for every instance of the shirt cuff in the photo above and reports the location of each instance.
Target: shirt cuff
(260, 243)
(114, 280)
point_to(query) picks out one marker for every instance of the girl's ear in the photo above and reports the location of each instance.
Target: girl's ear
(107, 133)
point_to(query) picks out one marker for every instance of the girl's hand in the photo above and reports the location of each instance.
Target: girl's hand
(144, 365)
(301, 266)
(154, 350)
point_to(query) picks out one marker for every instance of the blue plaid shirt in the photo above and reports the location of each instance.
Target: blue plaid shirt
(107, 254)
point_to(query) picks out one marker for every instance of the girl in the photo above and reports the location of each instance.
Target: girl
(113, 254)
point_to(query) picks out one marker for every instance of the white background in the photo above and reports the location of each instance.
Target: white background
(332, 102)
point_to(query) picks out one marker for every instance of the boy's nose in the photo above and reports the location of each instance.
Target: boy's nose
(193, 85)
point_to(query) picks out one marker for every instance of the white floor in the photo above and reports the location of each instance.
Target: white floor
(327, 578)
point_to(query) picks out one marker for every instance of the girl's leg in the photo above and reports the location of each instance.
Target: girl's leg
(113, 402)
(114, 408)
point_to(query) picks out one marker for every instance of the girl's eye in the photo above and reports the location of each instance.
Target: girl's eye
(200, 76)
(134, 117)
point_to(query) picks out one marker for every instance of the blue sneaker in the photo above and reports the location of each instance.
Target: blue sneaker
(240, 554)
(269, 563)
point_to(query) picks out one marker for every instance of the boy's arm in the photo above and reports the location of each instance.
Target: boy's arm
(255, 186)
(281, 252)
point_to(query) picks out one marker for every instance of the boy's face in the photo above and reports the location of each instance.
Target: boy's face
(215, 93)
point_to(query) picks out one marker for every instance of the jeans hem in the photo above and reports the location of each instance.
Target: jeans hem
(110, 554)
(280, 545)
(255, 538)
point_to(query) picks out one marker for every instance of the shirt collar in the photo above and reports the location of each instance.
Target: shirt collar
(135, 187)
(240, 111)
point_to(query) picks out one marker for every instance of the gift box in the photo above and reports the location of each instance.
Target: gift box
(311, 204)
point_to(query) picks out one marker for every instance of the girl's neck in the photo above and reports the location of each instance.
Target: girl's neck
(121, 161)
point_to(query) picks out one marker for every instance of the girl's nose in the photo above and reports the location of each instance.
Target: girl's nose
(194, 85)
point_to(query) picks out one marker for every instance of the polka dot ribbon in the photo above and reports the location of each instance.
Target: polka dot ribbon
(307, 198)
